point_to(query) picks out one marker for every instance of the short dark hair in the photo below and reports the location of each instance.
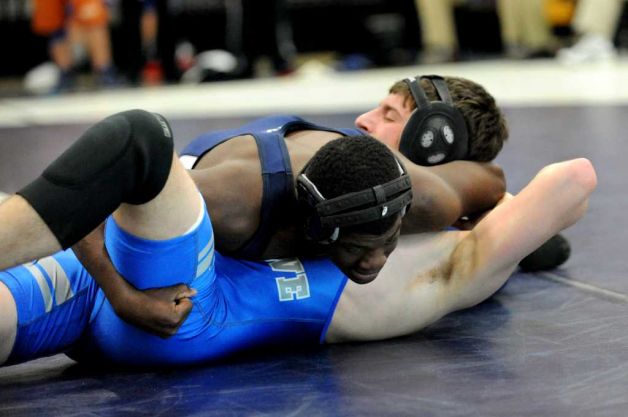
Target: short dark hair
(486, 124)
(354, 163)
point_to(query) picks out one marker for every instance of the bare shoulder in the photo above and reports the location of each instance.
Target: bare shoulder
(409, 293)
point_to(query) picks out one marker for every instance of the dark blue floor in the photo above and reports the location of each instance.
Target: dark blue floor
(538, 348)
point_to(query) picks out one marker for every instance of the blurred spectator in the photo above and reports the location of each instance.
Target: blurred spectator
(152, 73)
(438, 29)
(524, 29)
(257, 28)
(526, 33)
(146, 36)
(595, 23)
(67, 23)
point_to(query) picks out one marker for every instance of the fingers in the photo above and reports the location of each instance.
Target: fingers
(184, 308)
(183, 291)
(171, 324)
(171, 293)
(164, 309)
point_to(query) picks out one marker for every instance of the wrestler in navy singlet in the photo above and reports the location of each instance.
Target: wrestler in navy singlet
(278, 182)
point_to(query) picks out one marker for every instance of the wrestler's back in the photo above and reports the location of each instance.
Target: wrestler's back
(231, 182)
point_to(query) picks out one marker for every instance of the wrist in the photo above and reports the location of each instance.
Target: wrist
(120, 298)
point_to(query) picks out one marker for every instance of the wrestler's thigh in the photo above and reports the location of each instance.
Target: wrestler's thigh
(8, 322)
(53, 298)
(170, 214)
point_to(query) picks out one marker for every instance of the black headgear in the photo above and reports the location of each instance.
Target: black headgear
(436, 131)
(324, 218)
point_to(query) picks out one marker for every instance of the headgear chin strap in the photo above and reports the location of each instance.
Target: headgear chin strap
(436, 131)
(324, 218)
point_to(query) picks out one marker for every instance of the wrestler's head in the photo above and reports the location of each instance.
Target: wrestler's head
(485, 122)
(368, 223)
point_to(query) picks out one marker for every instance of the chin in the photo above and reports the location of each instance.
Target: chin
(362, 278)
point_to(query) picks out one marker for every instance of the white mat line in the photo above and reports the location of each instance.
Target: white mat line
(609, 295)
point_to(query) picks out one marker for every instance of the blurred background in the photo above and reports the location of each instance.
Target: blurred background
(296, 55)
(92, 44)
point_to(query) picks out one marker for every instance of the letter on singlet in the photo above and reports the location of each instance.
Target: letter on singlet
(291, 289)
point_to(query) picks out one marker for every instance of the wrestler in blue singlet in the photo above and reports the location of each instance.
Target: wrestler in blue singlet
(240, 305)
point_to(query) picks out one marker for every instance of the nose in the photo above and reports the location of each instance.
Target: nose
(364, 122)
(373, 260)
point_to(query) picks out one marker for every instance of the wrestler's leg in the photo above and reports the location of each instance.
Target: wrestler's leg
(8, 322)
(124, 158)
(164, 242)
(45, 307)
(172, 213)
(27, 226)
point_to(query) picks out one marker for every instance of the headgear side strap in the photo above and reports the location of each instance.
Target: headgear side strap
(441, 88)
(417, 93)
(370, 214)
(364, 197)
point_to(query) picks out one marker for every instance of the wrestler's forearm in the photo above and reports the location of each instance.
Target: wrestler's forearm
(457, 192)
(479, 186)
(556, 198)
(443, 194)
(160, 311)
(92, 254)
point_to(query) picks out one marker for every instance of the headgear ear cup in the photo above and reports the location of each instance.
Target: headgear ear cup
(436, 131)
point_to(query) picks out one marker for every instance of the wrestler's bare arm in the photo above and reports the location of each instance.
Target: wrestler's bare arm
(444, 193)
(432, 275)
(158, 311)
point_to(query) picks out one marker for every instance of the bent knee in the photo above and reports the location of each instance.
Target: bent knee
(8, 322)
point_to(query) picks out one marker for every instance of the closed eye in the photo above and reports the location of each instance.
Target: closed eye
(391, 114)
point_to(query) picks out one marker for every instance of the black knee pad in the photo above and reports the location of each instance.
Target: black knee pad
(125, 158)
